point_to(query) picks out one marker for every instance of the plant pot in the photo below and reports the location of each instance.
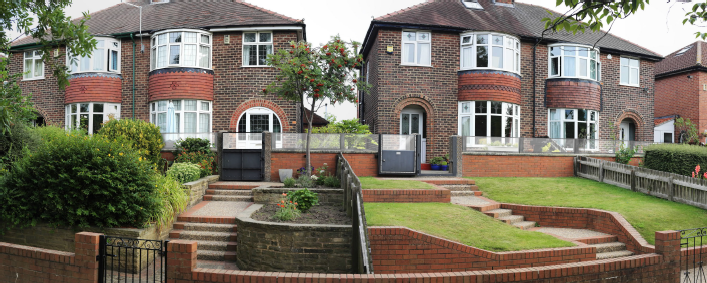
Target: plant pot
(435, 166)
(284, 174)
(444, 167)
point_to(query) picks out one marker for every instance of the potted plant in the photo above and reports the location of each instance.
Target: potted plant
(436, 161)
(443, 166)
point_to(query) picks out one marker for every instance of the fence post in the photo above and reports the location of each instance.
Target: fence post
(267, 155)
(576, 146)
(342, 141)
(575, 166)
(521, 145)
(671, 189)
(601, 172)
(633, 180)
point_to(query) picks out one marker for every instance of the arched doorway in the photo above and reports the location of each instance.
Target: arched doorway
(255, 121)
(627, 130)
(413, 121)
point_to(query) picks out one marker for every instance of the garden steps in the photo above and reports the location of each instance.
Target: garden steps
(216, 246)
(216, 255)
(466, 193)
(461, 188)
(227, 198)
(493, 209)
(525, 225)
(203, 235)
(217, 194)
(229, 192)
(615, 254)
(512, 219)
(232, 186)
(189, 226)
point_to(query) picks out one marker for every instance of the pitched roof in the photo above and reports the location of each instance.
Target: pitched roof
(683, 59)
(317, 121)
(521, 19)
(123, 18)
(662, 120)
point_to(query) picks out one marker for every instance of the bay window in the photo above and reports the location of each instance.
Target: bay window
(182, 116)
(34, 66)
(489, 119)
(90, 116)
(573, 61)
(630, 71)
(490, 51)
(573, 124)
(181, 49)
(256, 48)
(105, 58)
(417, 48)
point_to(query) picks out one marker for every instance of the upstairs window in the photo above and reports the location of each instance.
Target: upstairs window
(34, 67)
(630, 71)
(417, 48)
(490, 51)
(570, 61)
(256, 48)
(181, 49)
(105, 58)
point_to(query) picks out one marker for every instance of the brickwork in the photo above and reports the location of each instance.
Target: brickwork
(261, 103)
(573, 93)
(407, 196)
(363, 164)
(184, 83)
(328, 197)
(683, 95)
(93, 88)
(522, 165)
(47, 98)
(489, 85)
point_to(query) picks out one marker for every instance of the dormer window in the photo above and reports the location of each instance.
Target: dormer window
(181, 48)
(472, 4)
(490, 51)
(105, 58)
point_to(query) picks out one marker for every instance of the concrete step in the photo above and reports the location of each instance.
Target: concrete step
(188, 226)
(460, 188)
(466, 193)
(525, 225)
(609, 247)
(614, 254)
(497, 213)
(230, 192)
(512, 219)
(227, 198)
(215, 255)
(203, 236)
(227, 186)
(217, 246)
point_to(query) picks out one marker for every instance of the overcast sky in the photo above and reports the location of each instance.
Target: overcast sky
(658, 28)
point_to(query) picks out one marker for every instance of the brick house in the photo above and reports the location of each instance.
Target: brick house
(681, 90)
(204, 62)
(472, 68)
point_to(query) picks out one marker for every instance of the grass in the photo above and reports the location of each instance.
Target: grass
(646, 213)
(368, 183)
(458, 223)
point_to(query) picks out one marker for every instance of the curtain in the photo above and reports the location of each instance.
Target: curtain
(423, 53)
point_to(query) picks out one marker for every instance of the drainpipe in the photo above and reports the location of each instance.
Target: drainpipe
(133, 105)
(535, 49)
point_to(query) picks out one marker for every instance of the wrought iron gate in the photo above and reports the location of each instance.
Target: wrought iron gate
(131, 260)
(692, 260)
(239, 160)
(399, 154)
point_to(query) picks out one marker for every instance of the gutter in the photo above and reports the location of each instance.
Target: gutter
(680, 71)
(133, 105)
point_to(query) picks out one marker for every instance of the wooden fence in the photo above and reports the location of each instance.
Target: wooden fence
(353, 202)
(670, 186)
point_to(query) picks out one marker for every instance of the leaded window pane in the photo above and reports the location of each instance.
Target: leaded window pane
(84, 107)
(177, 105)
(204, 56)
(259, 123)
(482, 39)
(190, 105)
(466, 126)
(162, 54)
(205, 106)
(204, 123)
(265, 37)
(190, 37)
(496, 107)
(175, 37)
(162, 105)
(406, 124)
(409, 36)
(263, 51)
(174, 54)
(414, 123)
(481, 107)
(482, 57)
(508, 129)
(497, 57)
(497, 40)
(496, 126)
(190, 55)
(189, 122)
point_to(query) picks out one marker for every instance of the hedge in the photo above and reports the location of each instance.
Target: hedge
(675, 158)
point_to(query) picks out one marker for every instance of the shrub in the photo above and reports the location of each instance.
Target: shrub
(80, 180)
(304, 199)
(288, 209)
(436, 160)
(304, 181)
(184, 172)
(289, 182)
(674, 158)
(624, 154)
(331, 181)
(144, 136)
(172, 196)
(203, 159)
(193, 145)
(16, 143)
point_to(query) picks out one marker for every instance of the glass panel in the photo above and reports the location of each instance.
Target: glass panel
(174, 54)
(466, 39)
(414, 123)
(583, 51)
(114, 60)
(496, 126)
(204, 120)
(423, 53)
(569, 114)
(582, 130)
(250, 54)
(467, 57)
(177, 105)
(592, 116)
(162, 57)
(190, 122)
(84, 108)
(482, 39)
(509, 109)
(249, 37)
(177, 118)
(482, 57)
(153, 106)
(517, 62)
(83, 122)
(667, 137)
(242, 124)
(263, 51)
(624, 74)
(266, 37)
(466, 108)
(555, 51)
(154, 120)
(508, 130)
(190, 105)
(569, 130)
(517, 128)
(423, 36)
(582, 115)
(466, 126)
(409, 51)
(98, 58)
(259, 123)
(205, 39)
(582, 67)
(162, 105)
(98, 107)
(405, 130)
(593, 70)
(480, 125)
(497, 40)
(85, 63)
(569, 50)
(509, 42)
(190, 37)
(73, 122)
(481, 107)
(555, 130)
(634, 76)
(175, 37)
(97, 123)
(409, 36)
(205, 106)
(190, 55)
(204, 56)
(592, 131)
(555, 66)
(28, 68)
(570, 67)
(508, 64)
(554, 115)
(38, 68)
(633, 63)
(276, 128)
(497, 57)
(517, 111)
(162, 39)
(496, 107)
(73, 108)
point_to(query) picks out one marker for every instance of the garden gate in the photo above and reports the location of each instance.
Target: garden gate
(241, 157)
(692, 259)
(131, 260)
(399, 154)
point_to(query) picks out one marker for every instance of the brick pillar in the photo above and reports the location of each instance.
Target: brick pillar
(267, 156)
(86, 251)
(181, 260)
(667, 244)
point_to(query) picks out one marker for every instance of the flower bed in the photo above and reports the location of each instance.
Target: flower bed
(319, 214)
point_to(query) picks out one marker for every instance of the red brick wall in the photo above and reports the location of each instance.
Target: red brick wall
(28, 264)
(181, 83)
(573, 93)
(363, 164)
(489, 85)
(47, 98)
(680, 95)
(95, 88)
(407, 196)
(522, 165)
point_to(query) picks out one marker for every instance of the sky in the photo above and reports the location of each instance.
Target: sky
(658, 28)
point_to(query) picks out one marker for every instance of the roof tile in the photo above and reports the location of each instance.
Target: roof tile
(683, 58)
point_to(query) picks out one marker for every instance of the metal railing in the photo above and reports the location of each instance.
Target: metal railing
(693, 255)
(547, 145)
(339, 142)
(170, 139)
(131, 260)
(353, 202)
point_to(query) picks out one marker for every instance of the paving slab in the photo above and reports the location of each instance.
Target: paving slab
(469, 200)
(570, 233)
(218, 208)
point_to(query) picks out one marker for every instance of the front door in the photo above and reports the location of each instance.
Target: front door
(412, 122)
(253, 123)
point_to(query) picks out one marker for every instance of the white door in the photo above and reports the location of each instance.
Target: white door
(253, 123)
(624, 131)
(411, 122)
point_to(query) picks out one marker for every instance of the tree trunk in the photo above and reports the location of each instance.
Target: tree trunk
(309, 136)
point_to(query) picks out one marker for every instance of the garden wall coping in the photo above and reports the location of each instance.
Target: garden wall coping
(544, 154)
(272, 195)
(324, 151)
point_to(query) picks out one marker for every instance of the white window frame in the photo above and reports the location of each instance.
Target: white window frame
(510, 45)
(162, 39)
(471, 114)
(108, 48)
(575, 118)
(593, 56)
(417, 42)
(258, 44)
(629, 68)
(472, 4)
(32, 56)
(160, 107)
(74, 109)
(248, 140)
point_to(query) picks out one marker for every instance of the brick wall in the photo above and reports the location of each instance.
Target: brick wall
(186, 83)
(489, 85)
(27, 264)
(407, 196)
(573, 93)
(522, 165)
(47, 98)
(363, 164)
(680, 95)
(93, 88)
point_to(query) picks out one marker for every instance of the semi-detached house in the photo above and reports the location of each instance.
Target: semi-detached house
(485, 68)
(203, 59)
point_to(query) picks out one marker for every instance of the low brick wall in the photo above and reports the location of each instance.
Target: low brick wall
(522, 165)
(364, 164)
(269, 246)
(407, 196)
(273, 195)
(197, 189)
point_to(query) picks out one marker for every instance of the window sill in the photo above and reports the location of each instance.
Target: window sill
(95, 72)
(489, 69)
(578, 78)
(412, 65)
(33, 79)
(638, 86)
(256, 66)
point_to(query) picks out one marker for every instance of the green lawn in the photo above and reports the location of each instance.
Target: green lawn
(458, 223)
(373, 183)
(646, 213)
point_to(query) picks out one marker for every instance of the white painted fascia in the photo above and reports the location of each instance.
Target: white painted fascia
(256, 28)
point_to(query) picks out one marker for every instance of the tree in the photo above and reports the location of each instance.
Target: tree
(313, 75)
(47, 23)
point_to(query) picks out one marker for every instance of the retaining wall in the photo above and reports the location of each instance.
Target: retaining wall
(333, 197)
(364, 164)
(523, 165)
(407, 196)
(197, 189)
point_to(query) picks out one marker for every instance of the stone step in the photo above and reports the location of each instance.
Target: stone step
(217, 246)
(227, 198)
(215, 255)
(512, 219)
(614, 254)
(205, 227)
(466, 193)
(609, 247)
(497, 213)
(226, 186)
(525, 225)
(229, 192)
(203, 236)
(461, 188)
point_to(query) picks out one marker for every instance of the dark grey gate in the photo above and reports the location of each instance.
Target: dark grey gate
(692, 260)
(131, 260)
(239, 163)
(399, 154)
